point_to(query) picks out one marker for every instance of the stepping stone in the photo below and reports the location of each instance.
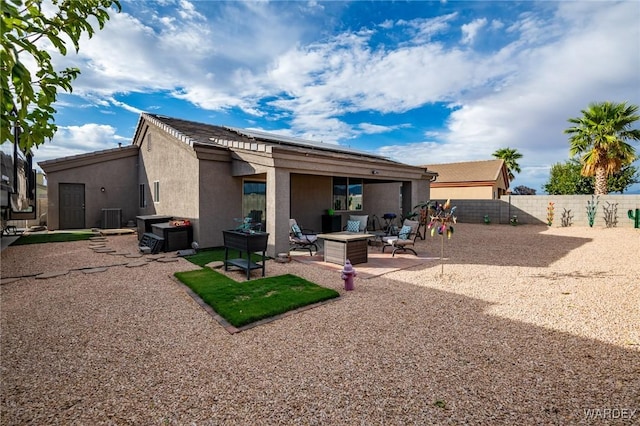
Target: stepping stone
(155, 256)
(136, 264)
(167, 259)
(120, 253)
(133, 255)
(104, 250)
(8, 280)
(98, 239)
(94, 270)
(54, 274)
(215, 265)
(95, 246)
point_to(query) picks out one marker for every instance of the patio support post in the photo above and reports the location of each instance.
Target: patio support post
(278, 208)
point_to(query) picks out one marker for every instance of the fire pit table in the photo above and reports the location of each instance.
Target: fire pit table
(340, 246)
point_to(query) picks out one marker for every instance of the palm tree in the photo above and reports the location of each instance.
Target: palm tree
(600, 136)
(510, 157)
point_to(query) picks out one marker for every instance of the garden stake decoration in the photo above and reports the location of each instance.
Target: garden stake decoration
(592, 206)
(566, 218)
(610, 214)
(441, 221)
(550, 213)
(635, 218)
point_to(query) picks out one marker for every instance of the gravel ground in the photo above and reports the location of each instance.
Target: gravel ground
(528, 325)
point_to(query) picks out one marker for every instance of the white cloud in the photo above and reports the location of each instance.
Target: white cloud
(551, 83)
(470, 30)
(74, 140)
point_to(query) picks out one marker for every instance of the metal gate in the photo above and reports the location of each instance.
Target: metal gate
(71, 197)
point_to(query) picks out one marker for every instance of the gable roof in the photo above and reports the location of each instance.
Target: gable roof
(192, 132)
(470, 171)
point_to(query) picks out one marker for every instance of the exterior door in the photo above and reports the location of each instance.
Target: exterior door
(71, 205)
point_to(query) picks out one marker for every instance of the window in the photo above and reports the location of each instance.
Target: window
(142, 197)
(149, 142)
(254, 200)
(347, 193)
(156, 191)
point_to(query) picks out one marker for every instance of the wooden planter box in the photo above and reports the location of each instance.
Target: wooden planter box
(248, 243)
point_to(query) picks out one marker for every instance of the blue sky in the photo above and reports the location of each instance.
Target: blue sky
(420, 82)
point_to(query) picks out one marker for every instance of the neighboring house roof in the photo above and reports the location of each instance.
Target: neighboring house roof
(470, 172)
(88, 158)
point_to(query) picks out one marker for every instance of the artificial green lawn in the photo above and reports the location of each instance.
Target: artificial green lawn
(56, 237)
(241, 303)
(206, 256)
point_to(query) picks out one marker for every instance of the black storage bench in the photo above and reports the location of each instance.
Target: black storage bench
(245, 242)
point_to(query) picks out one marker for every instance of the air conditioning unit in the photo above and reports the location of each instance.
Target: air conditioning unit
(111, 218)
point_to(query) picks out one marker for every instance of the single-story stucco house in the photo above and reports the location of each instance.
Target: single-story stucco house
(213, 176)
(470, 180)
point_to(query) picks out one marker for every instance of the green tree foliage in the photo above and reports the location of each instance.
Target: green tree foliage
(567, 179)
(28, 92)
(510, 157)
(600, 138)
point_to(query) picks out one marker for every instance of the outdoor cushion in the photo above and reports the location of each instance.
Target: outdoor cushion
(353, 226)
(296, 230)
(363, 219)
(404, 232)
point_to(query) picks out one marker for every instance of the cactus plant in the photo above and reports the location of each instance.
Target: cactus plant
(635, 218)
(592, 207)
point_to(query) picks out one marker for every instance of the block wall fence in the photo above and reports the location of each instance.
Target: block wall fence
(532, 209)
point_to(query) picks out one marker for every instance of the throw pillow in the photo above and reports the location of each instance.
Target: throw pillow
(404, 232)
(353, 225)
(296, 230)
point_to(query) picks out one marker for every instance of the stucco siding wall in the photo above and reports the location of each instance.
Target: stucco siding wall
(463, 193)
(310, 199)
(220, 202)
(174, 165)
(381, 198)
(532, 209)
(118, 177)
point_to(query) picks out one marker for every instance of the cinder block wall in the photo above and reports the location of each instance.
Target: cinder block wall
(532, 209)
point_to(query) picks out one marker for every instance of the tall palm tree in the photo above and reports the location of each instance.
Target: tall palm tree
(510, 157)
(600, 136)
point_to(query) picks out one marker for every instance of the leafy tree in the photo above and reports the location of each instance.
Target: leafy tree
(29, 92)
(600, 136)
(523, 190)
(567, 179)
(620, 181)
(510, 157)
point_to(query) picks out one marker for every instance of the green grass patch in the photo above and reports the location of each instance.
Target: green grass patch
(205, 256)
(55, 237)
(242, 303)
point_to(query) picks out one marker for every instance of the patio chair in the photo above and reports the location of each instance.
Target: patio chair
(405, 238)
(299, 238)
(361, 226)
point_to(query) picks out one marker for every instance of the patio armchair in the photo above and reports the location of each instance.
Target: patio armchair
(361, 226)
(405, 239)
(300, 238)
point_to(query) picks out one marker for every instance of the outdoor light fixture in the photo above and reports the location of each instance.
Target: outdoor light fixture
(102, 189)
(375, 172)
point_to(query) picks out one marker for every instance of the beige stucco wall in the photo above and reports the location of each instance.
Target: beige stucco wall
(310, 199)
(174, 165)
(464, 193)
(117, 176)
(220, 202)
